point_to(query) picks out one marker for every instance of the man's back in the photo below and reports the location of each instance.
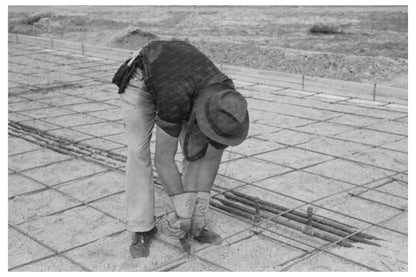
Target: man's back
(175, 72)
(173, 63)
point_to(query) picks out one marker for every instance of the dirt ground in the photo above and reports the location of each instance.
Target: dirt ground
(367, 43)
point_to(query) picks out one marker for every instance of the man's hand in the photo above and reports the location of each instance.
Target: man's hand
(166, 147)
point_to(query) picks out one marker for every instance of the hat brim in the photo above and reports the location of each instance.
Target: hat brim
(200, 114)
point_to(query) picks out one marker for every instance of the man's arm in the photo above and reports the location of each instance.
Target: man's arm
(166, 147)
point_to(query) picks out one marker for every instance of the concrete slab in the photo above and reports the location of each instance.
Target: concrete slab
(373, 195)
(350, 172)
(70, 134)
(19, 68)
(400, 145)
(324, 128)
(255, 146)
(23, 249)
(330, 98)
(396, 188)
(63, 100)
(18, 145)
(242, 169)
(224, 224)
(369, 211)
(371, 137)
(18, 117)
(111, 254)
(251, 254)
(334, 147)
(288, 137)
(42, 94)
(36, 158)
(397, 107)
(355, 120)
(32, 206)
(323, 262)
(241, 84)
(15, 99)
(366, 102)
(292, 237)
(395, 127)
(269, 195)
(54, 264)
(296, 92)
(391, 256)
(24, 60)
(26, 105)
(302, 185)
(119, 138)
(399, 223)
(195, 264)
(294, 157)
(257, 129)
(55, 77)
(114, 205)
(121, 151)
(314, 114)
(366, 111)
(18, 184)
(41, 124)
(103, 143)
(103, 95)
(94, 187)
(46, 112)
(64, 171)
(223, 183)
(226, 156)
(72, 228)
(280, 121)
(265, 96)
(384, 158)
(115, 103)
(113, 114)
(280, 118)
(101, 129)
(16, 87)
(89, 107)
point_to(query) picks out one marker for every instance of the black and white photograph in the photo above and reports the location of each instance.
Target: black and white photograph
(208, 137)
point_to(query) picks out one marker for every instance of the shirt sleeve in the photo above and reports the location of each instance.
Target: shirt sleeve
(173, 129)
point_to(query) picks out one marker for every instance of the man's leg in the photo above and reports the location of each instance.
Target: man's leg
(138, 114)
(200, 175)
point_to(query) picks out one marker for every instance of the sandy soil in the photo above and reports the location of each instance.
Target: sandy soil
(370, 44)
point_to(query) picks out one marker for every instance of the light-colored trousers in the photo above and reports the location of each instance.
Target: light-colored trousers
(139, 113)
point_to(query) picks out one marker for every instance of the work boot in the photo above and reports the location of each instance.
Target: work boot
(139, 247)
(208, 236)
(200, 232)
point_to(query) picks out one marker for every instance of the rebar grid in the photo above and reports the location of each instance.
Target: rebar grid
(82, 202)
(70, 128)
(333, 243)
(272, 191)
(259, 153)
(56, 253)
(316, 94)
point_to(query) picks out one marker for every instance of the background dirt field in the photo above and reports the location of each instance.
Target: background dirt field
(368, 44)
